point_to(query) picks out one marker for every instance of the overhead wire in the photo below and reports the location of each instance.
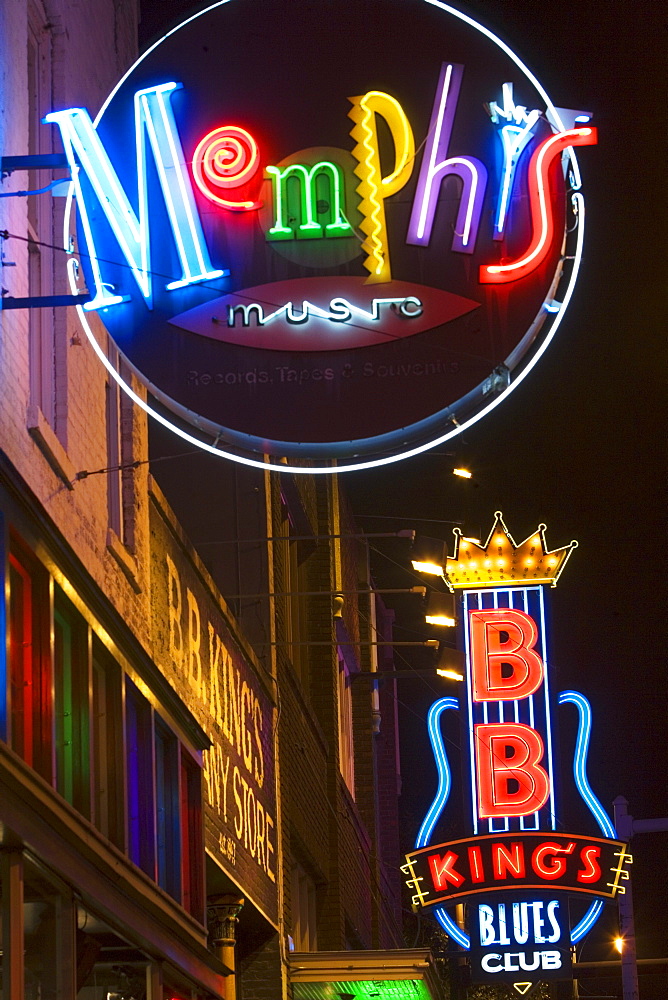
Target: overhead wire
(6, 234)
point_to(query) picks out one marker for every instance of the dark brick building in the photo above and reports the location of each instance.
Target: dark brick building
(199, 766)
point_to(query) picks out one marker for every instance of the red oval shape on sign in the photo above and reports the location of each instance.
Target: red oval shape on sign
(323, 314)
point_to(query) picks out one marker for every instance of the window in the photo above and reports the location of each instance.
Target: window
(293, 601)
(304, 932)
(45, 915)
(108, 967)
(29, 661)
(167, 810)
(192, 848)
(71, 708)
(40, 217)
(107, 745)
(139, 778)
(164, 791)
(114, 484)
(345, 713)
(80, 721)
(120, 477)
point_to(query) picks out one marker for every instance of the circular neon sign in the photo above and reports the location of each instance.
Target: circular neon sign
(336, 241)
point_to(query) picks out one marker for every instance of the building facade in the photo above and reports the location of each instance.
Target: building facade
(199, 764)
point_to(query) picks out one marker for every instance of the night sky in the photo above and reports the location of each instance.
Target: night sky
(580, 444)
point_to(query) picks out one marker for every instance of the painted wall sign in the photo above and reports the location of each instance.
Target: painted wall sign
(519, 846)
(346, 251)
(196, 648)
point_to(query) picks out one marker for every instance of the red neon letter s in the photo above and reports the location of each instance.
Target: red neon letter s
(495, 768)
(589, 857)
(489, 653)
(541, 209)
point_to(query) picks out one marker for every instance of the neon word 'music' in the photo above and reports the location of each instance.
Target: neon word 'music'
(339, 311)
(228, 159)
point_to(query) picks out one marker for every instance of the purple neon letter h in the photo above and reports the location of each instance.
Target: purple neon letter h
(436, 167)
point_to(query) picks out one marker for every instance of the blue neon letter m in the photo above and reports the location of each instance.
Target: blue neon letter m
(153, 117)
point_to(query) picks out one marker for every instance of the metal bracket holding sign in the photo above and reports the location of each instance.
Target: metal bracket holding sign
(42, 301)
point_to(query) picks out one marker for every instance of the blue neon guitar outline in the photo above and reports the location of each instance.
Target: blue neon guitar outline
(445, 786)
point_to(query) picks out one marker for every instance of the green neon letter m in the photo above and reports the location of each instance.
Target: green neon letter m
(153, 117)
(303, 224)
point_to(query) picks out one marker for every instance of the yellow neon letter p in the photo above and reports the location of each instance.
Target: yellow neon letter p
(373, 187)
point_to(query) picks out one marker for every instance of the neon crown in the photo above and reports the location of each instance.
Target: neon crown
(500, 560)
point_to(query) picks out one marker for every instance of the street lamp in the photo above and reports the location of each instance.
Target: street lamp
(429, 555)
(440, 609)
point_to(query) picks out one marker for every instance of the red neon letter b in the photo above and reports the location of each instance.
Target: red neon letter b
(505, 751)
(504, 636)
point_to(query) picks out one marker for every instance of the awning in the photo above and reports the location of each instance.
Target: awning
(408, 974)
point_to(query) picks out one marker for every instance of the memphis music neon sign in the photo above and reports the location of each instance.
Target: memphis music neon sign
(229, 158)
(438, 237)
(517, 841)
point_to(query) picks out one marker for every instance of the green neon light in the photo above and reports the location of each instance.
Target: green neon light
(65, 709)
(403, 989)
(308, 228)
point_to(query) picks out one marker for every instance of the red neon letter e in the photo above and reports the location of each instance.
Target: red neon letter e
(495, 767)
(489, 652)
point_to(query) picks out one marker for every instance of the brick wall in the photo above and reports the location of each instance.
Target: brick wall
(259, 974)
(335, 837)
(87, 55)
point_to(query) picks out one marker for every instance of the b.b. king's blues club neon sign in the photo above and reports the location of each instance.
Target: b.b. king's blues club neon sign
(347, 253)
(532, 889)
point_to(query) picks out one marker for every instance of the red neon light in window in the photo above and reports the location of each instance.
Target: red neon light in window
(443, 870)
(495, 768)
(508, 860)
(24, 690)
(589, 857)
(545, 861)
(541, 209)
(226, 158)
(504, 636)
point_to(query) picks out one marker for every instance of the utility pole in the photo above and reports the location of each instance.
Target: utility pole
(626, 826)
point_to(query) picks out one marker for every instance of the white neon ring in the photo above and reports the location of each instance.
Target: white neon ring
(419, 449)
